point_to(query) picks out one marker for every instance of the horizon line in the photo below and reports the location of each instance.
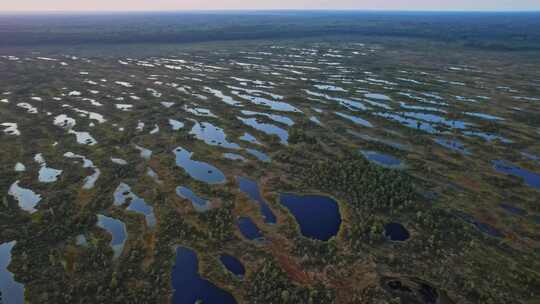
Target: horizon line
(98, 11)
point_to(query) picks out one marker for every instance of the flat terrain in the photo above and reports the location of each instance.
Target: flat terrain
(129, 170)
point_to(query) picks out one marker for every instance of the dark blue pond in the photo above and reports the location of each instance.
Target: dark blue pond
(248, 229)
(233, 265)
(381, 159)
(318, 216)
(396, 232)
(532, 179)
(251, 189)
(189, 287)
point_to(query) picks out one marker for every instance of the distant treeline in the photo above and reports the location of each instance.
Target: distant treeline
(495, 31)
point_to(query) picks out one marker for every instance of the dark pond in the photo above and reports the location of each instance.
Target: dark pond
(10, 290)
(318, 216)
(189, 287)
(413, 290)
(251, 189)
(248, 229)
(396, 232)
(233, 265)
(532, 179)
(381, 159)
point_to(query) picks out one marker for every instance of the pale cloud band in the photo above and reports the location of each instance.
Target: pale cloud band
(164, 5)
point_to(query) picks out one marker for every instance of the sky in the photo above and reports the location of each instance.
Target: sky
(165, 5)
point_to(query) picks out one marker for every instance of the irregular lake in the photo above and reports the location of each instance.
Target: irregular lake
(251, 189)
(10, 290)
(318, 216)
(381, 159)
(200, 204)
(454, 145)
(259, 155)
(248, 229)
(46, 174)
(189, 287)
(123, 194)
(198, 170)
(118, 231)
(234, 156)
(356, 120)
(27, 198)
(211, 135)
(532, 179)
(267, 128)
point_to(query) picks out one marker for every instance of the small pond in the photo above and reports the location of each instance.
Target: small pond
(233, 265)
(396, 232)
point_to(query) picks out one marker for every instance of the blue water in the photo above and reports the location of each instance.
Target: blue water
(318, 216)
(200, 204)
(484, 116)
(267, 128)
(357, 120)
(212, 135)
(381, 159)
(189, 287)
(454, 145)
(487, 136)
(117, 229)
(531, 157)
(251, 189)
(409, 122)
(396, 232)
(248, 229)
(11, 292)
(234, 156)
(259, 155)
(233, 265)
(200, 171)
(532, 179)
(454, 124)
(124, 194)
